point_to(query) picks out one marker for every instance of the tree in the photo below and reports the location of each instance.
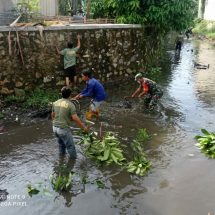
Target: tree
(201, 9)
(164, 15)
(69, 7)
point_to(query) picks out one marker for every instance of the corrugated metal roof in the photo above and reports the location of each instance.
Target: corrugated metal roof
(46, 8)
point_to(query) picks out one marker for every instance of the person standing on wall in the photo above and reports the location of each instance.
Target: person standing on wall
(69, 54)
(95, 90)
(63, 113)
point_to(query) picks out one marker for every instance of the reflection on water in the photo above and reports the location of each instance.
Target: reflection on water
(176, 183)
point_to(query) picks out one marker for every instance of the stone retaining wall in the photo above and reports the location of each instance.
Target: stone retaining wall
(28, 57)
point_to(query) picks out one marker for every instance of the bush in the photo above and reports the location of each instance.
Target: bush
(38, 98)
(205, 28)
(1, 115)
(41, 98)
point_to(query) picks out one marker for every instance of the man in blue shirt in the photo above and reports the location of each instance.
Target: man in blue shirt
(93, 89)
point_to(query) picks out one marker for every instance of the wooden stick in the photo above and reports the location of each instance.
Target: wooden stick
(9, 44)
(20, 49)
(15, 21)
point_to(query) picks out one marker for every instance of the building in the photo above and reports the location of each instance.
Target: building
(209, 10)
(46, 8)
(5, 14)
(206, 9)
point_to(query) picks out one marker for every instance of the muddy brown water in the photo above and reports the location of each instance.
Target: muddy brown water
(181, 181)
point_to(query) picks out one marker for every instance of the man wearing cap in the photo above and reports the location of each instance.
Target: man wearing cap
(149, 90)
(63, 113)
(93, 89)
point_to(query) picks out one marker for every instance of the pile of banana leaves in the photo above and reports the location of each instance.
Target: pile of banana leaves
(206, 143)
(107, 150)
(140, 164)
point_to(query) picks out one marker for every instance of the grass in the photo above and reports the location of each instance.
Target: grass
(205, 28)
(1, 115)
(41, 98)
(38, 98)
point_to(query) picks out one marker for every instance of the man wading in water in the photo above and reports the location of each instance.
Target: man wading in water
(93, 89)
(149, 90)
(63, 113)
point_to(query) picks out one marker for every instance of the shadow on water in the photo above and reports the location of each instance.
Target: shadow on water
(176, 183)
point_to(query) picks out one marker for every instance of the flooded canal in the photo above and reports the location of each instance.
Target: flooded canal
(181, 181)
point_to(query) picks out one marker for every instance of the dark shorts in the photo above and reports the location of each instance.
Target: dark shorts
(70, 72)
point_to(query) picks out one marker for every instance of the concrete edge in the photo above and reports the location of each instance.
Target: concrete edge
(71, 27)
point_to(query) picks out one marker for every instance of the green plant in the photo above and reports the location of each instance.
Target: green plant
(206, 143)
(62, 178)
(205, 28)
(37, 189)
(106, 150)
(142, 135)
(139, 166)
(27, 9)
(41, 98)
(154, 13)
(100, 183)
(37, 99)
(32, 190)
(14, 99)
(154, 73)
(65, 7)
(27, 6)
(1, 115)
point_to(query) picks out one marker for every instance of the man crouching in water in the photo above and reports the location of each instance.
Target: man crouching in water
(63, 113)
(149, 90)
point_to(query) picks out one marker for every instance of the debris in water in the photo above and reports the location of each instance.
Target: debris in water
(201, 66)
(3, 195)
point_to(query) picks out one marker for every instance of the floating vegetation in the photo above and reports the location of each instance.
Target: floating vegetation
(62, 178)
(142, 135)
(32, 190)
(140, 164)
(206, 143)
(38, 189)
(107, 150)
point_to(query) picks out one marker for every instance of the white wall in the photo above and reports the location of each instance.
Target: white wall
(5, 4)
(5, 17)
(49, 7)
(209, 10)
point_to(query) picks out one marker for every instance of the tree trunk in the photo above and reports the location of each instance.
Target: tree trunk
(201, 9)
(88, 9)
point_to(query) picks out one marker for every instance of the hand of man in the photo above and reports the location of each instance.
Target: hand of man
(85, 129)
(79, 96)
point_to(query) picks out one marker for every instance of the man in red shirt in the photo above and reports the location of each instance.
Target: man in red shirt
(147, 89)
